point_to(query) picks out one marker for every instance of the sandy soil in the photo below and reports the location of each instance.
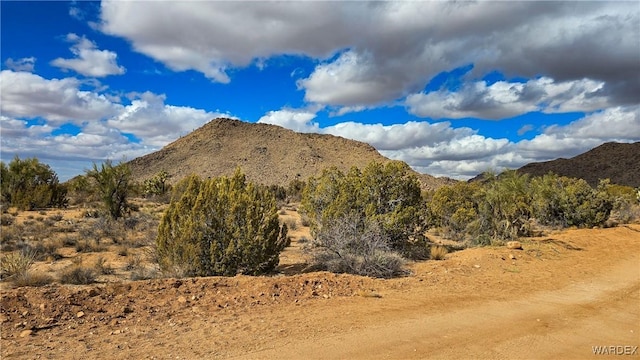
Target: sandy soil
(558, 298)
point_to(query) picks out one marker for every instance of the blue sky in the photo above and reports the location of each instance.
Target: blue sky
(451, 88)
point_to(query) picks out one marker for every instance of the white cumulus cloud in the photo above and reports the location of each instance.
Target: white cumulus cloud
(504, 99)
(105, 126)
(374, 53)
(293, 119)
(89, 60)
(27, 95)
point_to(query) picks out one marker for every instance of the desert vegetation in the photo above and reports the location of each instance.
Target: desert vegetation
(220, 226)
(106, 226)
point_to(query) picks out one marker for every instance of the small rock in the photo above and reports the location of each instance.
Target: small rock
(476, 266)
(512, 257)
(325, 296)
(514, 245)
(43, 306)
(182, 299)
(25, 333)
(80, 314)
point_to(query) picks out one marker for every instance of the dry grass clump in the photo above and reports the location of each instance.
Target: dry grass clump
(103, 268)
(30, 278)
(56, 217)
(438, 252)
(367, 294)
(16, 263)
(87, 246)
(292, 224)
(78, 275)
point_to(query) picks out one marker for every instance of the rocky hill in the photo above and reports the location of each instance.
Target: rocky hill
(267, 154)
(619, 162)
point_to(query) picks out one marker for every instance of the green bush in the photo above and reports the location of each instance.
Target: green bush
(388, 195)
(453, 208)
(113, 183)
(220, 226)
(562, 201)
(625, 204)
(505, 207)
(29, 184)
(157, 185)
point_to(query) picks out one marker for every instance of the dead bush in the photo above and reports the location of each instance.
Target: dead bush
(354, 245)
(56, 217)
(78, 275)
(29, 278)
(87, 246)
(103, 268)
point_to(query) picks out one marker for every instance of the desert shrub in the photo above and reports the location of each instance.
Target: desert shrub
(562, 201)
(113, 183)
(292, 224)
(625, 204)
(56, 217)
(87, 246)
(438, 252)
(102, 267)
(133, 263)
(77, 275)
(105, 228)
(505, 209)
(388, 195)
(44, 251)
(295, 189)
(16, 263)
(156, 185)
(143, 273)
(29, 278)
(354, 245)
(220, 226)
(453, 208)
(29, 184)
(6, 220)
(279, 193)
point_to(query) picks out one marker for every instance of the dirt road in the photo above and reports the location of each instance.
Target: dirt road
(557, 324)
(558, 298)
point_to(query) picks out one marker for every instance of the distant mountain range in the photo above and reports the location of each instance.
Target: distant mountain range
(619, 162)
(267, 154)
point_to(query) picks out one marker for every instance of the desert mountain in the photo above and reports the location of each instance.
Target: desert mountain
(618, 162)
(267, 154)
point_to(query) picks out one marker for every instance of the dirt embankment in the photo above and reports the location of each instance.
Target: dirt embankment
(558, 298)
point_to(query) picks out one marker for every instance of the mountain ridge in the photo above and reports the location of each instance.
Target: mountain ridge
(267, 154)
(619, 162)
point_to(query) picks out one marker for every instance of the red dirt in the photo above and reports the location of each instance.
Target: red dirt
(559, 297)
